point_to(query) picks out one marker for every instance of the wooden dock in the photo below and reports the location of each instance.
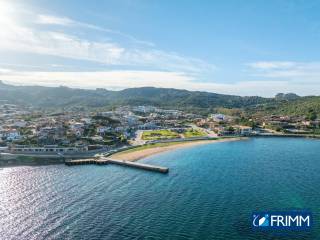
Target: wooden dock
(104, 161)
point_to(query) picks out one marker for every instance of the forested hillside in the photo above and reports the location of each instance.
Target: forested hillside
(193, 101)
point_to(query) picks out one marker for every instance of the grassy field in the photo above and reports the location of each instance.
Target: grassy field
(194, 133)
(169, 134)
(159, 135)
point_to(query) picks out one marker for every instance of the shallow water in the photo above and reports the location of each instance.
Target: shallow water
(210, 193)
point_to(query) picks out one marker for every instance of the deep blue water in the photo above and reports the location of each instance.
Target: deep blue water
(210, 193)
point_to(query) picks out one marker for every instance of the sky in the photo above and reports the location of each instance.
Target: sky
(231, 47)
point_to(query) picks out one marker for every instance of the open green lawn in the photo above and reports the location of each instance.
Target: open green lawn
(159, 135)
(194, 133)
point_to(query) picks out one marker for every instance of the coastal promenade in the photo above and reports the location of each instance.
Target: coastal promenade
(104, 161)
(286, 135)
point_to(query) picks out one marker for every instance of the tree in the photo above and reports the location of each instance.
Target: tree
(311, 115)
(230, 129)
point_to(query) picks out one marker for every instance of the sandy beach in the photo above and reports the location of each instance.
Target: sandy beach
(139, 154)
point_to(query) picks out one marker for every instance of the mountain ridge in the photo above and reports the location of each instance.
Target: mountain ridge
(204, 102)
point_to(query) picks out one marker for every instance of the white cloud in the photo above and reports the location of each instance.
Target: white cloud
(67, 22)
(153, 67)
(291, 71)
(59, 44)
(4, 70)
(107, 79)
(271, 65)
(127, 79)
(28, 38)
(54, 20)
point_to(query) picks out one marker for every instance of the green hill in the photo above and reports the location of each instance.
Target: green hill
(302, 106)
(193, 101)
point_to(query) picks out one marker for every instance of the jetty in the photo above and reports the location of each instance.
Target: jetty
(104, 161)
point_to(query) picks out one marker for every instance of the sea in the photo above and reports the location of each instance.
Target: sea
(210, 192)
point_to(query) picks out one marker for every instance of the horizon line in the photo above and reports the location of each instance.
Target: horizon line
(4, 82)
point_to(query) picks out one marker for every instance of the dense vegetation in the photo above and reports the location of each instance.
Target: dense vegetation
(191, 101)
(303, 106)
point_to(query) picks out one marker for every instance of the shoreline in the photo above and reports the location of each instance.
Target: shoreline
(133, 154)
(138, 154)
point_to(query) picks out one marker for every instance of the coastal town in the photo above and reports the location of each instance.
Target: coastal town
(159, 120)
(24, 130)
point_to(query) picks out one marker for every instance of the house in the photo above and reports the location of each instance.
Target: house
(97, 138)
(76, 126)
(46, 131)
(148, 126)
(103, 129)
(222, 131)
(316, 123)
(20, 124)
(86, 120)
(144, 109)
(78, 132)
(201, 122)
(306, 123)
(12, 135)
(218, 117)
(3, 149)
(119, 129)
(213, 125)
(245, 131)
(131, 120)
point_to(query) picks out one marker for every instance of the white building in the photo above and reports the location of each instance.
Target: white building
(86, 120)
(103, 129)
(12, 134)
(144, 109)
(76, 126)
(47, 149)
(148, 126)
(244, 130)
(218, 117)
(132, 120)
(20, 124)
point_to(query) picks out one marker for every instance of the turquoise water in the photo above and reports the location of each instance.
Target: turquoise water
(210, 193)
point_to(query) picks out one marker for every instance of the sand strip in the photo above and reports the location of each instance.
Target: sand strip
(143, 153)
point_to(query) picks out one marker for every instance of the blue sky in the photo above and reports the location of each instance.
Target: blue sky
(232, 47)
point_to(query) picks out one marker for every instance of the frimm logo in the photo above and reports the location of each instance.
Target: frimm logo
(289, 220)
